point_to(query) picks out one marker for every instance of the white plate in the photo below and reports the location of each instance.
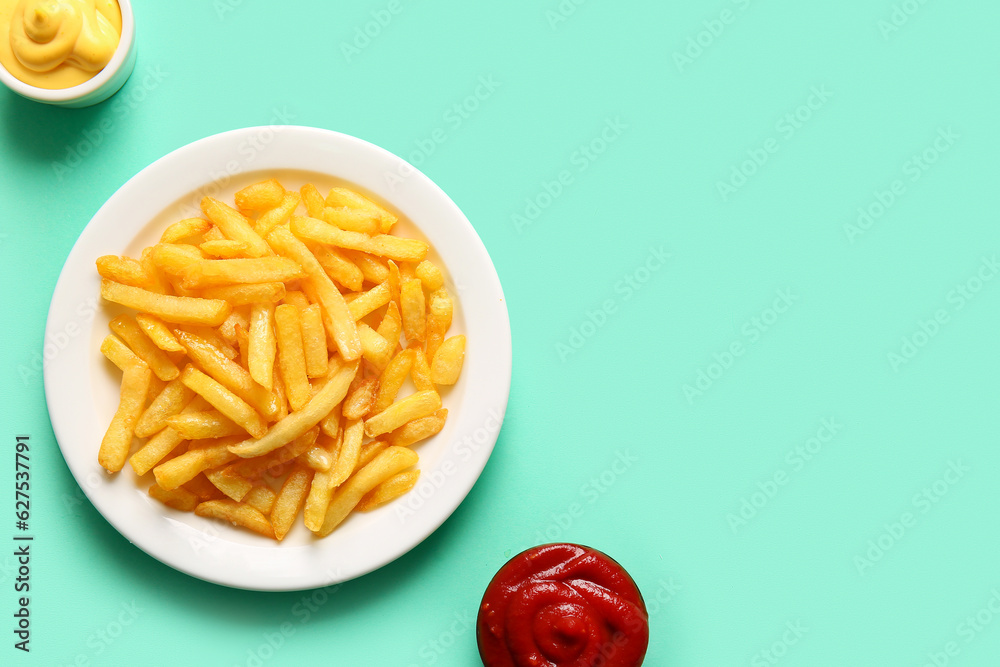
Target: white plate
(81, 387)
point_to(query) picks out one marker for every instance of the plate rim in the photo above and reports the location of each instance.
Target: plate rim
(414, 180)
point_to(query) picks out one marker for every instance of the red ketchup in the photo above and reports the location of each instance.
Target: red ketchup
(562, 605)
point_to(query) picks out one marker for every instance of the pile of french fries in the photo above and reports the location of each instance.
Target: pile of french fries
(262, 370)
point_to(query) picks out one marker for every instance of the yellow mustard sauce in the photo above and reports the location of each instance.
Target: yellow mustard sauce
(58, 43)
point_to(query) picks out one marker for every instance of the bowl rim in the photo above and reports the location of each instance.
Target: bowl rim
(92, 84)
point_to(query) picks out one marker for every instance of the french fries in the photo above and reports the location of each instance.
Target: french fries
(225, 401)
(414, 406)
(215, 272)
(290, 500)
(124, 270)
(351, 199)
(170, 401)
(297, 423)
(337, 316)
(314, 341)
(253, 372)
(413, 309)
(382, 245)
(118, 438)
(262, 345)
(158, 332)
(238, 514)
(447, 364)
(185, 229)
(204, 424)
(387, 464)
(234, 226)
(176, 309)
(389, 490)
(291, 355)
(157, 360)
(260, 196)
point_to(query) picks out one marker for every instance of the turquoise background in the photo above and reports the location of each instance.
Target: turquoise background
(604, 343)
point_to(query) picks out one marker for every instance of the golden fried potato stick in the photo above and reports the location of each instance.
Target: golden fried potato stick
(390, 462)
(225, 249)
(395, 281)
(312, 199)
(291, 355)
(204, 424)
(439, 313)
(124, 270)
(421, 404)
(290, 500)
(225, 401)
(163, 443)
(318, 458)
(231, 484)
(412, 307)
(392, 380)
(430, 275)
(227, 330)
(370, 301)
(361, 399)
(158, 332)
(174, 258)
(372, 268)
(278, 215)
(170, 401)
(297, 423)
(418, 429)
(350, 219)
(350, 450)
(388, 490)
(158, 282)
(157, 360)
(352, 199)
(262, 344)
(201, 488)
(176, 309)
(296, 298)
(314, 341)
(246, 294)
(234, 226)
(370, 450)
(448, 360)
(185, 229)
(374, 348)
(273, 462)
(219, 272)
(320, 492)
(119, 353)
(383, 245)
(201, 457)
(338, 266)
(336, 315)
(118, 438)
(236, 513)
(260, 196)
(213, 337)
(261, 497)
(231, 375)
(179, 498)
(391, 326)
(420, 373)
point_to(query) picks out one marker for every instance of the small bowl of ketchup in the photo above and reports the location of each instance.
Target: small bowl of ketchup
(562, 605)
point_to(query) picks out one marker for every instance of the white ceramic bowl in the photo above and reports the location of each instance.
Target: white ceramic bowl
(81, 387)
(103, 85)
